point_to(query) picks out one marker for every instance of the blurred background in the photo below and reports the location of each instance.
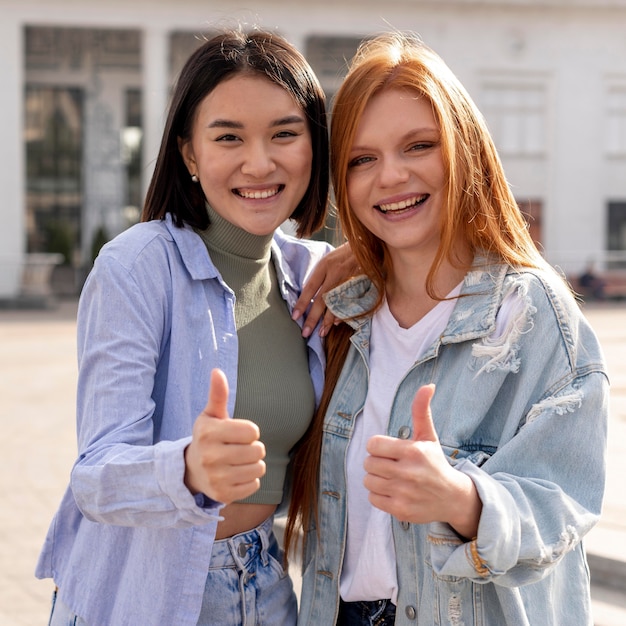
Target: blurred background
(86, 84)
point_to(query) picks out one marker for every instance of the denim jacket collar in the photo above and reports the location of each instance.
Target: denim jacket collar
(474, 314)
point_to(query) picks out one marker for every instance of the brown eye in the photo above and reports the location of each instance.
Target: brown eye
(227, 138)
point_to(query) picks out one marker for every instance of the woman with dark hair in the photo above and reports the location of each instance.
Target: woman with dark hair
(168, 516)
(441, 480)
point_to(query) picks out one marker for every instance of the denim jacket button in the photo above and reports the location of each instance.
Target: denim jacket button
(404, 432)
(410, 612)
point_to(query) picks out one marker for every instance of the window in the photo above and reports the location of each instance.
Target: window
(53, 136)
(616, 121)
(82, 119)
(616, 235)
(516, 115)
(330, 57)
(131, 143)
(182, 45)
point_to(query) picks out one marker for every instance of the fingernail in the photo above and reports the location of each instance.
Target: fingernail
(295, 316)
(306, 331)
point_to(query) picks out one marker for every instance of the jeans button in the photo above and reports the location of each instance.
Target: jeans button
(410, 612)
(242, 550)
(405, 525)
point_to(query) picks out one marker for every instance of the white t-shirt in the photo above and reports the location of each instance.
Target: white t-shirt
(369, 567)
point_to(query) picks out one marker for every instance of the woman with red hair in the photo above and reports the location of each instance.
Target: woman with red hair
(441, 481)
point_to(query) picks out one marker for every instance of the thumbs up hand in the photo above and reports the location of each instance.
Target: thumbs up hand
(412, 479)
(224, 460)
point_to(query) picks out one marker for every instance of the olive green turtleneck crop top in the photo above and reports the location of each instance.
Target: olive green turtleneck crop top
(274, 387)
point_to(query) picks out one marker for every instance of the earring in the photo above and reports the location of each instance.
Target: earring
(194, 178)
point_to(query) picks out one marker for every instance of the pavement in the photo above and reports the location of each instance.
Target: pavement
(37, 448)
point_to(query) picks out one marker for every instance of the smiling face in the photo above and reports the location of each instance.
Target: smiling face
(251, 150)
(396, 176)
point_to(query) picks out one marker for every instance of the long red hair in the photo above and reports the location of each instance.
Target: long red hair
(479, 209)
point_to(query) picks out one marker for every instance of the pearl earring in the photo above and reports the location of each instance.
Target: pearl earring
(194, 178)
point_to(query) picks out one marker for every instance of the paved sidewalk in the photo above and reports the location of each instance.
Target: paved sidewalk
(37, 448)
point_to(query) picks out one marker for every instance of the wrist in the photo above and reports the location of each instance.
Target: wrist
(468, 506)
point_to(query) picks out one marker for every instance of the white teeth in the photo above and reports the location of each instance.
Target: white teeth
(398, 206)
(258, 195)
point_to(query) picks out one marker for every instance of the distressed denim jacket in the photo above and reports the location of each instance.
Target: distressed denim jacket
(129, 544)
(524, 414)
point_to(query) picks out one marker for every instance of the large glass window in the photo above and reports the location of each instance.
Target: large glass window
(82, 132)
(330, 57)
(53, 134)
(516, 114)
(616, 121)
(132, 136)
(182, 45)
(616, 235)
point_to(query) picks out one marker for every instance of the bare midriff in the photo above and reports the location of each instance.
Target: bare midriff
(239, 518)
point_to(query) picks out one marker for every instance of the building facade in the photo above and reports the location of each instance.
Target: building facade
(86, 85)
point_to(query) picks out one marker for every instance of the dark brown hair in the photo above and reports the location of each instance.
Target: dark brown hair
(222, 56)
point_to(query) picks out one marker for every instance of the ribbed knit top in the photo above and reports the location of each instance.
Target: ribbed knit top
(274, 387)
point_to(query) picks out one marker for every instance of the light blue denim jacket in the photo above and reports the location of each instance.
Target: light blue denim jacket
(129, 544)
(525, 416)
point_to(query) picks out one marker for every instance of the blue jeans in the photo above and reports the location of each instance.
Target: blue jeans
(247, 585)
(367, 613)
(62, 615)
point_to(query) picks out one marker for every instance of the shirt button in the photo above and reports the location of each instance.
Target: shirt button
(405, 525)
(242, 550)
(410, 612)
(404, 432)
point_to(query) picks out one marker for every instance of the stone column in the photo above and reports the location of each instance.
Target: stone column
(12, 239)
(155, 48)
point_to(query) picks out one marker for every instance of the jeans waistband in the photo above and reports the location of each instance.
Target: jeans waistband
(366, 613)
(239, 550)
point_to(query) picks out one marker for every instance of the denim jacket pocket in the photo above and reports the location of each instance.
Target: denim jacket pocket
(477, 457)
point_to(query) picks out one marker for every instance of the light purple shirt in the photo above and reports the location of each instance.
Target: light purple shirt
(130, 544)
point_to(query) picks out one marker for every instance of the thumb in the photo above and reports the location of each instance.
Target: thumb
(423, 427)
(218, 395)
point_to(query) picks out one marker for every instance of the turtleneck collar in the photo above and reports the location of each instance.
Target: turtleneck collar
(223, 236)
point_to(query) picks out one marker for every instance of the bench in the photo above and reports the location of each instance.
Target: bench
(37, 270)
(613, 286)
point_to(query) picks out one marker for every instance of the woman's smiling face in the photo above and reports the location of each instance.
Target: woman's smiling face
(396, 176)
(251, 150)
